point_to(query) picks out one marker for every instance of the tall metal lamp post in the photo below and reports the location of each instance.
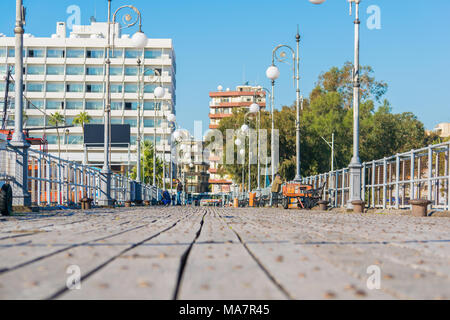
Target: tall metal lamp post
(139, 41)
(273, 73)
(20, 188)
(158, 94)
(355, 164)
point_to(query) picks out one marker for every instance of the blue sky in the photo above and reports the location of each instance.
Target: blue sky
(229, 42)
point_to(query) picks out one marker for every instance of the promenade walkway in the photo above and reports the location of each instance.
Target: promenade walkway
(223, 253)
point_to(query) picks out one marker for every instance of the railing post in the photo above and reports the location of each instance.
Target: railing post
(373, 183)
(412, 176)
(59, 181)
(39, 182)
(363, 183)
(397, 181)
(48, 179)
(430, 174)
(335, 189)
(343, 188)
(438, 181)
(384, 182)
(447, 174)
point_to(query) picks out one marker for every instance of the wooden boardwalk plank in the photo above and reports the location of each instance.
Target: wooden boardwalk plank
(148, 271)
(217, 270)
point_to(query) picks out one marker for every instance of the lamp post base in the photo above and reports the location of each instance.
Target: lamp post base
(105, 199)
(355, 168)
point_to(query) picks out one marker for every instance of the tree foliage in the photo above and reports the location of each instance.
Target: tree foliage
(328, 110)
(147, 152)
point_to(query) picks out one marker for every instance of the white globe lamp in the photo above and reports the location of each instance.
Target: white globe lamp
(139, 40)
(238, 142)
(171, 117)
(244, 128)
(272, 73)
(159, 92)
(254, 108)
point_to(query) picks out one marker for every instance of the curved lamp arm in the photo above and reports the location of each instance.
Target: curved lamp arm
(283, 57)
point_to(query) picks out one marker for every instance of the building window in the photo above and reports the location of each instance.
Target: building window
(54, 104)
(35, 121)
(131, 88)
(133, 54)
(116, 53)
(116, 71)
(74, 105)
(11, 52)
(96, 121)
(75, 139)
(98, 87)
(131, 105)
(55, 53)
(150, 88)
(153, 72)
(94, 71)
(55, 70)
(2, 53)
(95, 53)
(131, 122)
(35, 87)
(116, 88)
(131, 71)
(35, 70)
(36, 53)
(74, 87)
(33, 104)
(75, 53)
(149, 105)
(55, 87)
(116, 121)
(116, 105)
(52, 139)
(75, 70)
(94, 105)
(153, 54)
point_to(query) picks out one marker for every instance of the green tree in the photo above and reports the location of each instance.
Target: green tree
(56, 119)
(329, 110)
(80, 120)
(147, 164)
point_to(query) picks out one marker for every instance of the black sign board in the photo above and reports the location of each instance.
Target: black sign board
(94, 135)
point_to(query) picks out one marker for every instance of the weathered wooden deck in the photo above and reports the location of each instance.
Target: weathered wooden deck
(215, 253)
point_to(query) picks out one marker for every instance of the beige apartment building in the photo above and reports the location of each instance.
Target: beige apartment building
(443, 130)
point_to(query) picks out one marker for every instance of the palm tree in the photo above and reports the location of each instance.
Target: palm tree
(147, 163)
(80, 120)
(56, 119)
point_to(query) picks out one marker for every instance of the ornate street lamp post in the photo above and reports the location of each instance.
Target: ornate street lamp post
(355, 166)
(273, 73)
(139, 41)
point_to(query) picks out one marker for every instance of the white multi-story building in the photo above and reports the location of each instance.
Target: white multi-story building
(67, 75)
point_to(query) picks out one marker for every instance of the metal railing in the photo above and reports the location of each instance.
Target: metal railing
(56, 181)
(393, 181)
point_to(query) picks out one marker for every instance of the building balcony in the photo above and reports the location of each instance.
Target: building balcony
(220, 115)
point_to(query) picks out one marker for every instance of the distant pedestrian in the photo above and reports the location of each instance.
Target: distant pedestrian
(276, 188)
(179, 192)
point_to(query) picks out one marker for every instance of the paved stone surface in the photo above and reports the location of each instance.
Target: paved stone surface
(223, 253)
